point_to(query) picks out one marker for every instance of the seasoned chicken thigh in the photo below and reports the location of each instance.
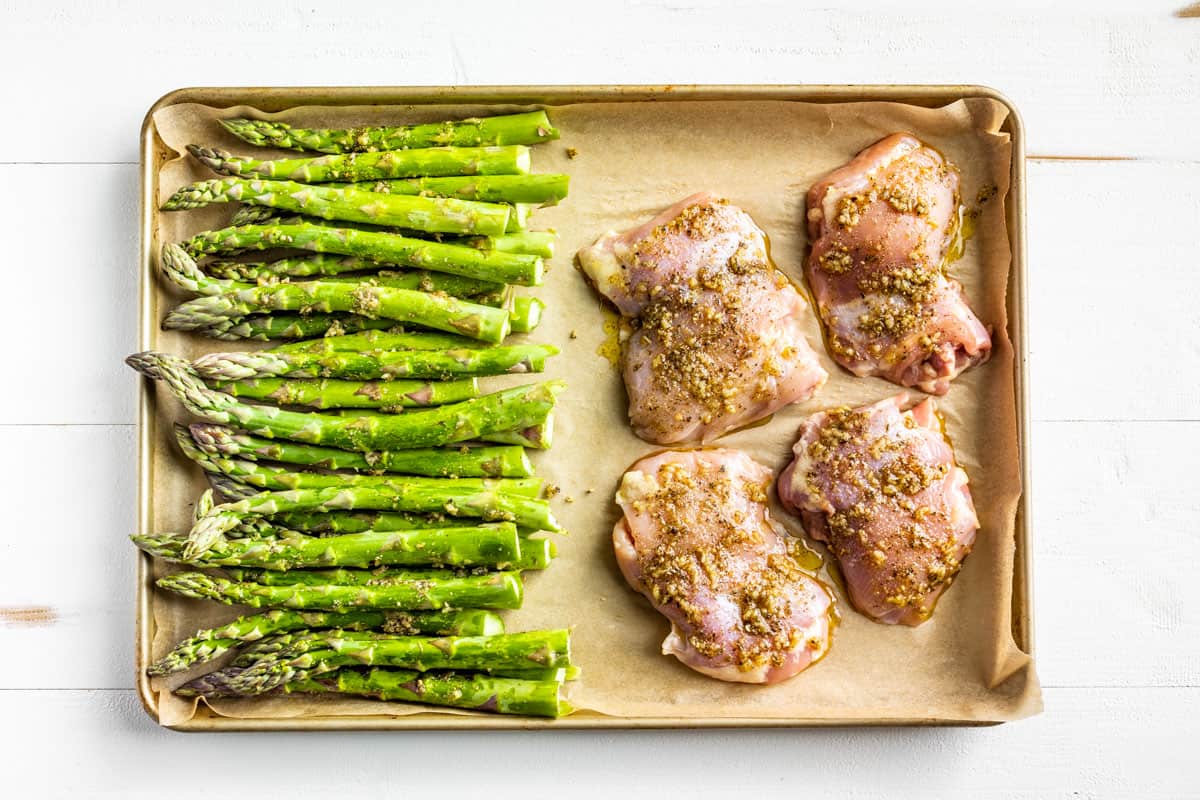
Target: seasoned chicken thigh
(881, 227)
(698, 541)
(881, 487)
(719, 340)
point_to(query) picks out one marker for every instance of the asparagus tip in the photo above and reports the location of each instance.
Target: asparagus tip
(148, 363)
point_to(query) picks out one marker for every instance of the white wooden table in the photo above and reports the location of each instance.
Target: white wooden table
(1110, 93)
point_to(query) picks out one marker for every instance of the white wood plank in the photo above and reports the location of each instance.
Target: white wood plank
(67, 507)
(1090, 743)
(1112, 290)
(1091, 78)
(1114, 537)
(71, 300)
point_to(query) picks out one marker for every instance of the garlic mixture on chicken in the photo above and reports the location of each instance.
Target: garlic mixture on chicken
(880, 486)
(880, 228)
(698, 541)
(719, 340)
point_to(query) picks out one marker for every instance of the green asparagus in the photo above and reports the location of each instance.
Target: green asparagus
(486, 545)
(253, 215)
(518, 218)
(534, 243)
(414, 280)
(390, 248)
(379, 340)
(516, 408)
(475, 691)
(266, 327)
(321, 265)
(484, 498)
(321, 394)
(534, 698)
(432, 214)
(404, 305)
(529, 189)
(464, 462)
(337, 522)
(274, 478)
(525, 313)
(380, 165)
(503, 651)
(492, 590)
(375, 364)
(538, 436)
(530, 127)
(342, 576)
(536, 554)
(208, 645)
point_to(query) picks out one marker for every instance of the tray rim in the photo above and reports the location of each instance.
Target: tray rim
(278, 98)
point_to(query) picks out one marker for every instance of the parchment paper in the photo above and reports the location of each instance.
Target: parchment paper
(632, 160)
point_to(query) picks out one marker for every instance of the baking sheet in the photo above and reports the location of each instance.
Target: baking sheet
(632, 159)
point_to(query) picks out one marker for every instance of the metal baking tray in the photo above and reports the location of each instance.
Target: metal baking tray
(154, 153)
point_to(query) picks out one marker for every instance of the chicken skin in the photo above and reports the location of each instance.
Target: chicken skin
(719, 340)
(698, 541)
(881, 487)
(881, 227)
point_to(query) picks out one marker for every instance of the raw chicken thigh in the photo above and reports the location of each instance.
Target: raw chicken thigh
(881, 227)
(881, 487)
(720, 340)
(698, 541)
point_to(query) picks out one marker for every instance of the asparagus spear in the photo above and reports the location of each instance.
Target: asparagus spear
(503, 651)
(379, 340)
(488, 499)
(265, 327)
(211, 452)
(337, 522)
(404, 305)
(529, 189)
(318, 264)
(210, 644)
(525, 313)
(515, 239)
(534, 243)
(486, 545)
(181, 269)
(466, 462)
(375, 364)
(391, 248)
(253, 215)
(539, 435)
(273, 478)
(492, 590)
(327, 266)
(501, 695)
(534, 698)
(556, 674)
(529, 127)
(223, 313)
(518, 218)
(320, 394)
(340, 576)
(510, 409)
(536, 554)
(215, 529)
(433, 214)
(231, 490)
(380, 165)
